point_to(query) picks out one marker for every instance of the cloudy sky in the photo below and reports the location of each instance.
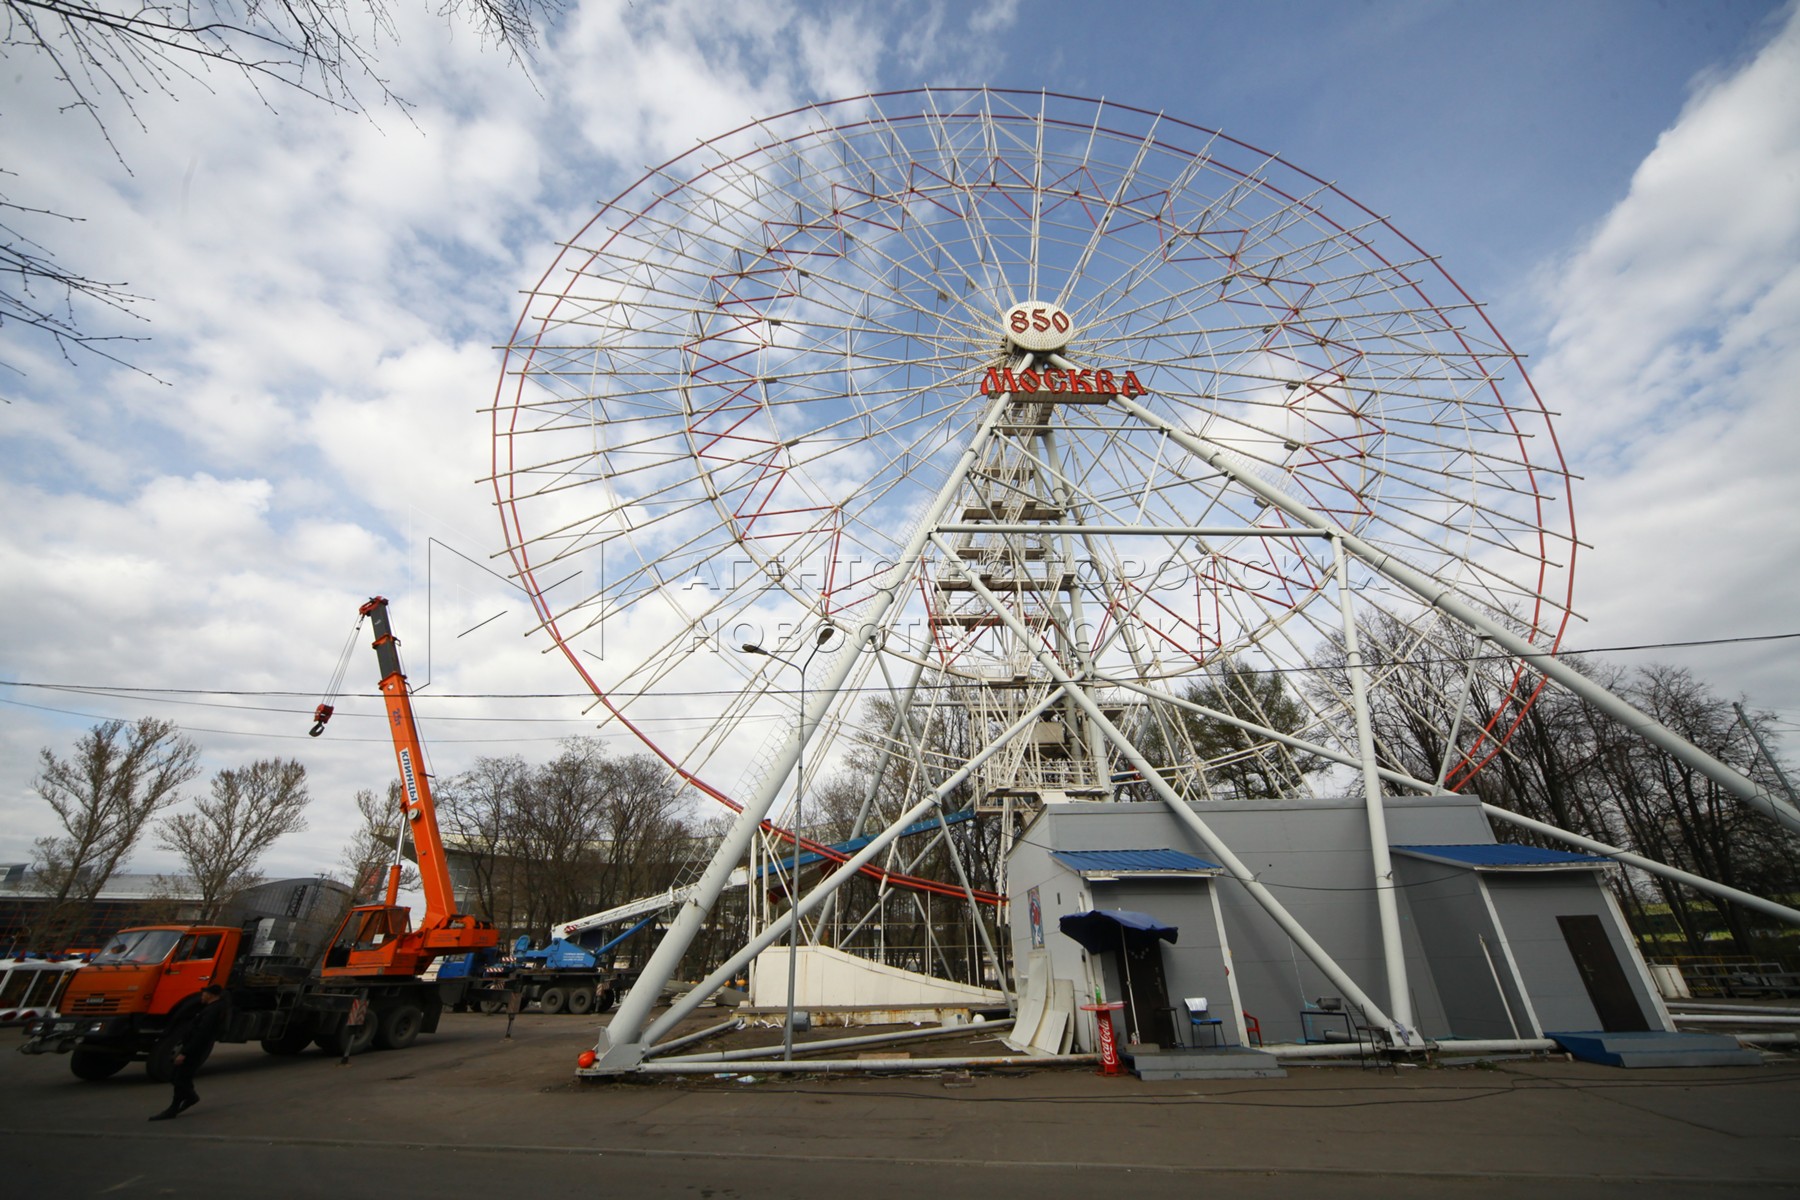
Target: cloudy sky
(1618, 181)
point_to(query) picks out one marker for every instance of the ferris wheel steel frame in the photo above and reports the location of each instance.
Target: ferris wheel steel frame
(911, 333)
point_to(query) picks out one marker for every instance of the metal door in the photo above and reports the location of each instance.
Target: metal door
(1607, 986)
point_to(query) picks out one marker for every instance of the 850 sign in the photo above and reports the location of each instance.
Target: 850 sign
(1038, 327)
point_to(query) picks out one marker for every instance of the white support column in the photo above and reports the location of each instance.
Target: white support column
(620, 1046)
(1506, 952)
(1387, 908)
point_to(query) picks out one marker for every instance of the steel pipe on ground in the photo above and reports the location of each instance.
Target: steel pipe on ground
(867, 1039)
(697, 1036)
(820, 1066)
(1677, 1007)
(1470, 1046)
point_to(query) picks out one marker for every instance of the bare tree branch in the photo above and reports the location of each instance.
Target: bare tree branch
(105, 794)
(107, 57)
(222, 840)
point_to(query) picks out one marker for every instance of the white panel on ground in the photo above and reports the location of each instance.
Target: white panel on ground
(1033, 998)
(828, 978)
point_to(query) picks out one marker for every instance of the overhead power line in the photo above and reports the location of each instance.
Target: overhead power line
(129, 691)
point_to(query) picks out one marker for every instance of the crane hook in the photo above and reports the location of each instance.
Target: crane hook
(321, 715)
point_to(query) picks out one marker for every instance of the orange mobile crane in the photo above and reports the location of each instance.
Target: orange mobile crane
(378, 939)
(368, 989)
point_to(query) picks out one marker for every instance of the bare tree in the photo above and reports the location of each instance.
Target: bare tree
(1550, 755)
(222, 840)
(371, 851)
(1204, 756)
(107, 54)
(558, 831)
(478, 810)
(105, 795)
(645, 835)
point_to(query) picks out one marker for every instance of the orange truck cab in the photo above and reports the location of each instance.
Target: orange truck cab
(120, 1004)
(151, 971)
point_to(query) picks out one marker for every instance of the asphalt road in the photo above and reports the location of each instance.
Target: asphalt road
(465, 1111)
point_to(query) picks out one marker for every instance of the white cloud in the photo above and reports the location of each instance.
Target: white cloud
(327, 289)
(1673, 360)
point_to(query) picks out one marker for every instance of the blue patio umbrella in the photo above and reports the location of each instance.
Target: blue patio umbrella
(1107, 928)
(1113, 930)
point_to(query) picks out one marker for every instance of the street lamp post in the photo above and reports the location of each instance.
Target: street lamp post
(819, 639)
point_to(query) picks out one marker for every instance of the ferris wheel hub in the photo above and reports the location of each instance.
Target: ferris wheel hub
(1037, 327)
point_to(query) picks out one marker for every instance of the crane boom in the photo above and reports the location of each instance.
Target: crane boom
(637, 908)
(379, 939)
(416, 804)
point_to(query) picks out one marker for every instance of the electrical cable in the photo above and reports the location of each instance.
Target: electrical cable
(125, 691)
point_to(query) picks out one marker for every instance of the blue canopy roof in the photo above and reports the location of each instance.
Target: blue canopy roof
(1107, 929)
(1501, 855)
(1131, 860)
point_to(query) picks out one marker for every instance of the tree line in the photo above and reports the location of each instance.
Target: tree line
(1541, 751)
(536, 844)
(1522, 745)
(1548, 754)
(118, 785)
(532, 844)
(546, 843)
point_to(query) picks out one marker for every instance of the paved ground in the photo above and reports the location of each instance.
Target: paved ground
(466, 1112)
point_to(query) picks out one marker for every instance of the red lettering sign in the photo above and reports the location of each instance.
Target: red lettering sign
(1002, 380)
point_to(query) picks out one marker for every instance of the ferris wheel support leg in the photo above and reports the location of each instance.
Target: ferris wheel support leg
(621, 1045)
(981, 929)
(1296, 932)
(828, 886)
(1438, 595)
(1393, 949)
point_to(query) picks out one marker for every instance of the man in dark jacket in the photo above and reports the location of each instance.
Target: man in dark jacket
(194, 1036)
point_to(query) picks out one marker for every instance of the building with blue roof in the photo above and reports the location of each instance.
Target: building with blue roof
(1501, 940)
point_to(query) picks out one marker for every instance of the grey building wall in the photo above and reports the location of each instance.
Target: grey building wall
(1314, 856)
(1528, 905)
(1452, 918)
(1194, 965)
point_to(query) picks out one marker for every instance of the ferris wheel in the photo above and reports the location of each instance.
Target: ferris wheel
(849, 445)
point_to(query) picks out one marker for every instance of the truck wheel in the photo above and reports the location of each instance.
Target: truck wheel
(490, 1007)
(331, 1041)
(400, 1027)
(95, 1065)
(604, 1001)
(553, 999)
(581, 1001)
(299, 1036)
